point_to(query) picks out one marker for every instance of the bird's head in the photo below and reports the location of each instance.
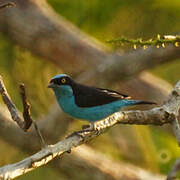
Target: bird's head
(59, 81)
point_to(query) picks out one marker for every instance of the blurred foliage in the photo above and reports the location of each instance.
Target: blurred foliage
(18, 65)
(169, 71)
(149, 147)
(141, 18)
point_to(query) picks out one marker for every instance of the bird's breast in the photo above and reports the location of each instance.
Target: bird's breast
(67, 104)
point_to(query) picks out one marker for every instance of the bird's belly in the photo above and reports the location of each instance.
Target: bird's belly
(92, 113)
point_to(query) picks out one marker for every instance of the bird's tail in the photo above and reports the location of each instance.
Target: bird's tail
(137, 102)
(145, 102)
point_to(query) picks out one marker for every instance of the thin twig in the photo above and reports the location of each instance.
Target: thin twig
(26, 105)
(38, 132)
(27, 115)
(11, 106)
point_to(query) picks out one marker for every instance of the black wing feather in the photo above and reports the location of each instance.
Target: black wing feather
(86, 96)
(114, 93)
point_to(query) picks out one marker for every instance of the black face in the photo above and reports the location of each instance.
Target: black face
(65, 80)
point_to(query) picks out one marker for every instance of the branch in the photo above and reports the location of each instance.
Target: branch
(157, 116)
(176, 166)
(174, 170)
(23, 124)
(159, 41)
(26, 114)
(131, 64)
(6, 5)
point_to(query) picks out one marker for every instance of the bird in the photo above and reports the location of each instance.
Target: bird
(88, 103)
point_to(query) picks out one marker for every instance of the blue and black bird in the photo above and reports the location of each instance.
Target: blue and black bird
(88, 103)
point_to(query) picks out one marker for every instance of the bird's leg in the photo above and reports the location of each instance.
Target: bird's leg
(91, 127)
(86, 132)
(86, 126)
(98, 126)
(85, 129)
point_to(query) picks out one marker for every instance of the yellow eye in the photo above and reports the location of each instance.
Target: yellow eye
(63, 80)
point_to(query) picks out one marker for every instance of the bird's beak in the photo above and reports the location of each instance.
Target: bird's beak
(51, 85)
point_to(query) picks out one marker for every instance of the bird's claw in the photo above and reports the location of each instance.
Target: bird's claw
(88, 127)
(79, 133)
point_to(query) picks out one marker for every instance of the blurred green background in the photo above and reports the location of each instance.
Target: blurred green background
(156, 149)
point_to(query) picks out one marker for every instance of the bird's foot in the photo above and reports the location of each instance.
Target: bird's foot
(88, 127)
(82, 134)
(91, 127)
